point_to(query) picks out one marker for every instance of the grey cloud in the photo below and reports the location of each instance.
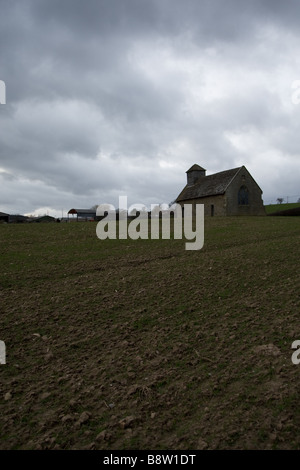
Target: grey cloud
(7, 176)
(103, 95)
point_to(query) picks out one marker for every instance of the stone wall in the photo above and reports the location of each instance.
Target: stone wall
(218, 203)
(255, 204)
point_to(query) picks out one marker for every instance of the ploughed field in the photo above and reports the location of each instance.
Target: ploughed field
(140, 344)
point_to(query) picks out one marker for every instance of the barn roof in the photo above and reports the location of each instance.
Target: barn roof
(210, 185)
(82, 211)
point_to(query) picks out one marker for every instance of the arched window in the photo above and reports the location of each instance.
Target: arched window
(243, 196)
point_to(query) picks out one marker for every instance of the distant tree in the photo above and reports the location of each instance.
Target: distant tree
(280, 200)
(298, 200)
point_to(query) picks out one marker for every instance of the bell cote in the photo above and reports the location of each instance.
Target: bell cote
(194, 173)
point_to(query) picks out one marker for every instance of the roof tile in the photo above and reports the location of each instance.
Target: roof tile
(210, 185)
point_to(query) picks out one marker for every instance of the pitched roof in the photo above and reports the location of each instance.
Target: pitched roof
(195, 167)
(210, 185)
(82, 211)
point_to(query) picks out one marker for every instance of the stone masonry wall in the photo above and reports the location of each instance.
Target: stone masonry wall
(218, 203)
(255, 206)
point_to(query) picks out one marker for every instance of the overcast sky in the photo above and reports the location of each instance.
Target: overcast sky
(106, 98)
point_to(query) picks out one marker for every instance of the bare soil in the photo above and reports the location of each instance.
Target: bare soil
(123, 344)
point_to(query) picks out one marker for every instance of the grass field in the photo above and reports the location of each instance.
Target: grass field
(271, 208)
(123, 344)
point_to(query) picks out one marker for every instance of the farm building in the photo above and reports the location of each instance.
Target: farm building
(86, 215)
(13, 219)
(18, 219)
(82, 215)
(4, 217)
(230, 192)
